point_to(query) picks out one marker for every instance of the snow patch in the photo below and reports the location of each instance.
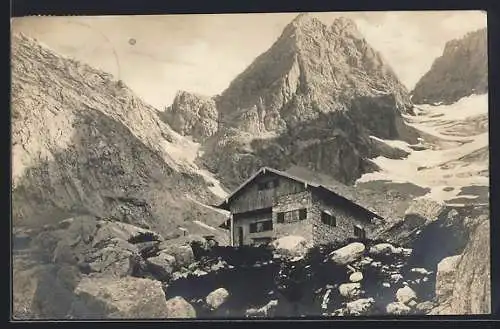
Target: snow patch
(464, 108)
(185, 151)
(393, 143)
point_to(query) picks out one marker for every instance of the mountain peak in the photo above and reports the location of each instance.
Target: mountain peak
(305, 21)
(344, 25)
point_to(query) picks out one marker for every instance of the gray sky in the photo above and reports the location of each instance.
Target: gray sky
(203, 53)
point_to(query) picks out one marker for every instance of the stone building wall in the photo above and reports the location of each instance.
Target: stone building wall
(290, 204)
(345, 222)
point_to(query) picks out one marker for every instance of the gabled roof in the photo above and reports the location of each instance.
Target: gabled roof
(304, 176)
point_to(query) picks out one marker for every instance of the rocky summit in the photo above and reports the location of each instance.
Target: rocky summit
(193, 115)
(462, 70)
(313, 99)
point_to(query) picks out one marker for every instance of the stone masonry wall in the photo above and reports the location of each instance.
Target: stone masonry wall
(323, 234)
(293, 202)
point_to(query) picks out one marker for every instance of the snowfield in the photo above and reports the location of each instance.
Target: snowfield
(454, 159)
(185, 151)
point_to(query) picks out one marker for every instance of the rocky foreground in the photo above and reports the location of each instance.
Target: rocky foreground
(88, 267)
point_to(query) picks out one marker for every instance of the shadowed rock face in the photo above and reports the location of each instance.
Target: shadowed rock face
(311, 100)
(462, 70)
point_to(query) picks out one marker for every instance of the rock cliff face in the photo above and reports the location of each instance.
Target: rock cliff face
(465, 288)
(461, 71)
(85, 144)
(192, 115)
(312, 99)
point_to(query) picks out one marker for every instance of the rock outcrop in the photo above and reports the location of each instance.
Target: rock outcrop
(445, 277)
(192, 115)
(348, 254)
(216, 298)
(291, 246)
(108, 298)
(465, 287)
(178, 307)
(462, 70)
(423, 211)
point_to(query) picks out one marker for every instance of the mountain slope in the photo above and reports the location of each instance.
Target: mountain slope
(461, 71)
(312, 100)
(85, 144)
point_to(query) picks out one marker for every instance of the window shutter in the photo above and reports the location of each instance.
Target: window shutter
(302, 213)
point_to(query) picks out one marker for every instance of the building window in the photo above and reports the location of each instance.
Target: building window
(359, 232)
(328, 219)
(261, 226)
(267, 225)
(281, 217)
(302, 214)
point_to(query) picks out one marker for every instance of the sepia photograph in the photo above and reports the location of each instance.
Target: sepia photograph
(321, 165)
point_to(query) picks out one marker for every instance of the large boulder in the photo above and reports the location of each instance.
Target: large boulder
(384, 249)
(405, 295)
(291, 245)
(424, 210)
(54, 291)
(178, 307)
(356, 277)
(128, 297)
(350, 290)
(348, 254)
(161, 266)
(360, 306)
(183, 254)
(123, 231)
(216, 298)
(420, 271)
(118, 258)
(445, 277)
(397, 308)
(101, 246)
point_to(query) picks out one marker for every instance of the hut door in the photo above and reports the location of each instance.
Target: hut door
(240, 236)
